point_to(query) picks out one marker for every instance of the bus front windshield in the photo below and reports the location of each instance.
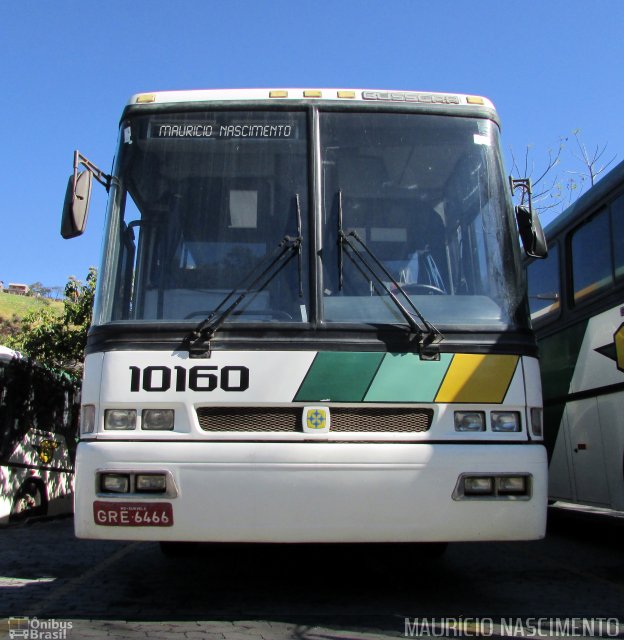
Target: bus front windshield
(201, 201)
(200, 204)
(425, 195)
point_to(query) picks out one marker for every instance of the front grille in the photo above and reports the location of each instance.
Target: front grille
(288, 419)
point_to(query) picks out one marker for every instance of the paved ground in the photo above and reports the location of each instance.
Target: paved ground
(130, 590)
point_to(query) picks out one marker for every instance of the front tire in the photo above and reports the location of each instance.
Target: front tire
(29, 502)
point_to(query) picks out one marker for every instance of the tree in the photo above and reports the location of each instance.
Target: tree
(57, 292)
(564, 176)
(58, 341)
(37, 289)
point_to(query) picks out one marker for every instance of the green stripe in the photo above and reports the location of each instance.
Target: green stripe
(339, 377)
(558, 358)
(404, 377)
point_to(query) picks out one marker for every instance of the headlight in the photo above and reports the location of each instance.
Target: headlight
(151, 483)
(475, 486)
(120, 419)
(511, 485)
(505, 421)
(157, 419)
(115, 483)
(469, 421)
(493, 487)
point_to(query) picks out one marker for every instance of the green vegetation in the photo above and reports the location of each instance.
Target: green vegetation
(12, 305)
(56, 337)
(13, 308)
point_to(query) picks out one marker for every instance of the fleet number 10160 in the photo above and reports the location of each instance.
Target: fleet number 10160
(199, 378)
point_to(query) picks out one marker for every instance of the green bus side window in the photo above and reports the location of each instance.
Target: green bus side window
(591, 256)
(544, 286)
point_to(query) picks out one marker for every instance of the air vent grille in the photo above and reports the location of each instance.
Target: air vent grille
(288, 419)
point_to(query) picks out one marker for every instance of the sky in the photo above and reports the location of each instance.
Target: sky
(68, 68)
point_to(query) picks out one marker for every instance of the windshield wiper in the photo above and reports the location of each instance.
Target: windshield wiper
(430, 335)
(253, 282)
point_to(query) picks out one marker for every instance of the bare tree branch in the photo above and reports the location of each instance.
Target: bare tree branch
(550, 190)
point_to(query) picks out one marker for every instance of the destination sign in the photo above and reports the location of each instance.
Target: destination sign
(203, 130)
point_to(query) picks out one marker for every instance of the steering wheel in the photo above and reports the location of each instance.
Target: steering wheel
(426, 289)
(274, 313)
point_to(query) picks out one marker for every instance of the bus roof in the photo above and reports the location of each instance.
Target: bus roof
(590, 199)
(337, 95)
(8, 354)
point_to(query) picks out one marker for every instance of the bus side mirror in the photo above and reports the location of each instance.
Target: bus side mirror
(76, 206)
(78, 195)
(531, 232)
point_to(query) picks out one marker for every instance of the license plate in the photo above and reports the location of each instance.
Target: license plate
(133, 514)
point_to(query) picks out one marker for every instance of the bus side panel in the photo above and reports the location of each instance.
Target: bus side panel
(582, 425)
(612, 428)
(583, 376)
(560, 481)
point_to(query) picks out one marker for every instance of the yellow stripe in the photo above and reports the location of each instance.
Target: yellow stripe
(477, 378)
(618, 338)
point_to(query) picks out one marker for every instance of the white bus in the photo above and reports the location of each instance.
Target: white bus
(39, 413)
(311, 324)
(577, 304)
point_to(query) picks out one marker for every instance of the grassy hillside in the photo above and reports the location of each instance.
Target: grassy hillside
(11, 305)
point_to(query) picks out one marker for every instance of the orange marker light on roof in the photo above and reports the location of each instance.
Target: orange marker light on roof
(145, 98)
(312, 93)
(474, 100)
(278, 94)
(346, 94)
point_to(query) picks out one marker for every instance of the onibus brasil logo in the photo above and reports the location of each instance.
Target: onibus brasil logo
(35, 629)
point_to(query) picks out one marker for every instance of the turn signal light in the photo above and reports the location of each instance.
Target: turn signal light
(536, 422)
(87, 418)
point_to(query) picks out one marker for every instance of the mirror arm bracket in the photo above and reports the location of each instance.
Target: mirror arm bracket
(103, 178)
(524, 184)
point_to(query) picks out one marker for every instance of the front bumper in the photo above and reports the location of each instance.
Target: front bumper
(318, 492)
